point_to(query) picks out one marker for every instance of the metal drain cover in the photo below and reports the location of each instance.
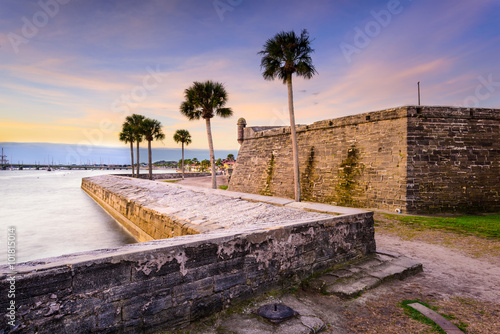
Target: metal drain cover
(276, 313)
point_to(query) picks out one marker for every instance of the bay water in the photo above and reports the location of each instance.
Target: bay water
(52, 216)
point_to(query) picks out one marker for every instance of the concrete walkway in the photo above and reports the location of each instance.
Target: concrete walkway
(205, 182)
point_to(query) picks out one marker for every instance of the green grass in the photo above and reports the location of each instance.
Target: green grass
(484, 226)
(414, 314)
(223, 187)
(171, 181)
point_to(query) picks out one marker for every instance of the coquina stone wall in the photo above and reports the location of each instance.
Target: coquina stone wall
(415, 159)
(166, 284)
(453, 159)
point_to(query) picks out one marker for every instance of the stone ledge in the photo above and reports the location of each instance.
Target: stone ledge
(445, 325)
(352, 280)
(324, 208)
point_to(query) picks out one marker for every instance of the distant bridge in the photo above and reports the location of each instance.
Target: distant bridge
(67, 167)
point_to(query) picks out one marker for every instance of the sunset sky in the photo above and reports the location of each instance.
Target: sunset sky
(72, 70)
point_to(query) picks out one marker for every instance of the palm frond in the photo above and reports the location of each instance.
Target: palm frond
(286, 54)
(182, 136)
(127, 133)
(205, 100)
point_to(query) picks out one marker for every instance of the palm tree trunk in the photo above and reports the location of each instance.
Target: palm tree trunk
(295, 149)
(132, 156)
(137, 160)
(212, 155)
(183, 160)
(150, 161)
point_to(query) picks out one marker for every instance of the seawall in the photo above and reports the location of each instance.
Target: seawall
(167, 176)
(167, 283)
(415, 159)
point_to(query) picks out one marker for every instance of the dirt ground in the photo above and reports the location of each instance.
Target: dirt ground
(458, 284)
(461, 278)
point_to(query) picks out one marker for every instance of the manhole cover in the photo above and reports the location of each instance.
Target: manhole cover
(276, 313)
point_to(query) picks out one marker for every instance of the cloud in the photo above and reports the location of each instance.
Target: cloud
(95, 53)
(56, 78)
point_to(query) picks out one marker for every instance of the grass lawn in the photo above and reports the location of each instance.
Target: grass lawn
(482, 226)
(171, 181)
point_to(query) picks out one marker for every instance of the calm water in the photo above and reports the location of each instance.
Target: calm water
(53, 215)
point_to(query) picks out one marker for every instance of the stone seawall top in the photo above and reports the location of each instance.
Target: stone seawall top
(193, 206)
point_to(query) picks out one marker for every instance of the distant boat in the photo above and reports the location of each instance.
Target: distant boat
(49, 169)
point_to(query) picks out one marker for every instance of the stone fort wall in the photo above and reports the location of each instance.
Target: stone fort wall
(416, 159)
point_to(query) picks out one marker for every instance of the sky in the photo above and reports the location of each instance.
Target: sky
(72, 70)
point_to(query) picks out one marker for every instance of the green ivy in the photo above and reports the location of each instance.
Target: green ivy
(348, 172)
(307, 181)
(269, 179)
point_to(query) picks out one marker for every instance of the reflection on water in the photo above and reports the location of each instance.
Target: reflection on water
(53, 215)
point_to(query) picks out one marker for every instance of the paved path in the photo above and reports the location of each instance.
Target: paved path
(203, 181)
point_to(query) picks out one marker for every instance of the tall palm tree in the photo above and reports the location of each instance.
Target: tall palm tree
(151, 130)
(283, 55)
(135, 122)
(205, 100)
(182, 136)
(127, 136)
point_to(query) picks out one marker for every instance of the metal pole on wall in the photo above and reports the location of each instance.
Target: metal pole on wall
(418, 85)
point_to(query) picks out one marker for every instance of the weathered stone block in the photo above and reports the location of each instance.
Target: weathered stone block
(95, 276)
(158, 265)
(194, 290)
(237, 293)
(200, 255)
(127, 291)
(55, 280)
(224, 282)
(169, 319)
(108, 315)
(206, 306)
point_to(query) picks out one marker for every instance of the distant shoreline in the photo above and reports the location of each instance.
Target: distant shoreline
(67, 154)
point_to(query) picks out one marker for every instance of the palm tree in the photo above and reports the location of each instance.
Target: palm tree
(127, 136)
(188, 162)
(182, 136)
(230, 156)
(151, 130)
(205, 100)
(283, 55)
(204, 164)
(135, 122)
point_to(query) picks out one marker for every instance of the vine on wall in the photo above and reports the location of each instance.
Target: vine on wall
(348, 173)
(269, 178)
(307, 179)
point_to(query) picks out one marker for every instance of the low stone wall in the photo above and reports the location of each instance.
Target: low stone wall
(166, 284)
(167, 176)
(142, 222)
